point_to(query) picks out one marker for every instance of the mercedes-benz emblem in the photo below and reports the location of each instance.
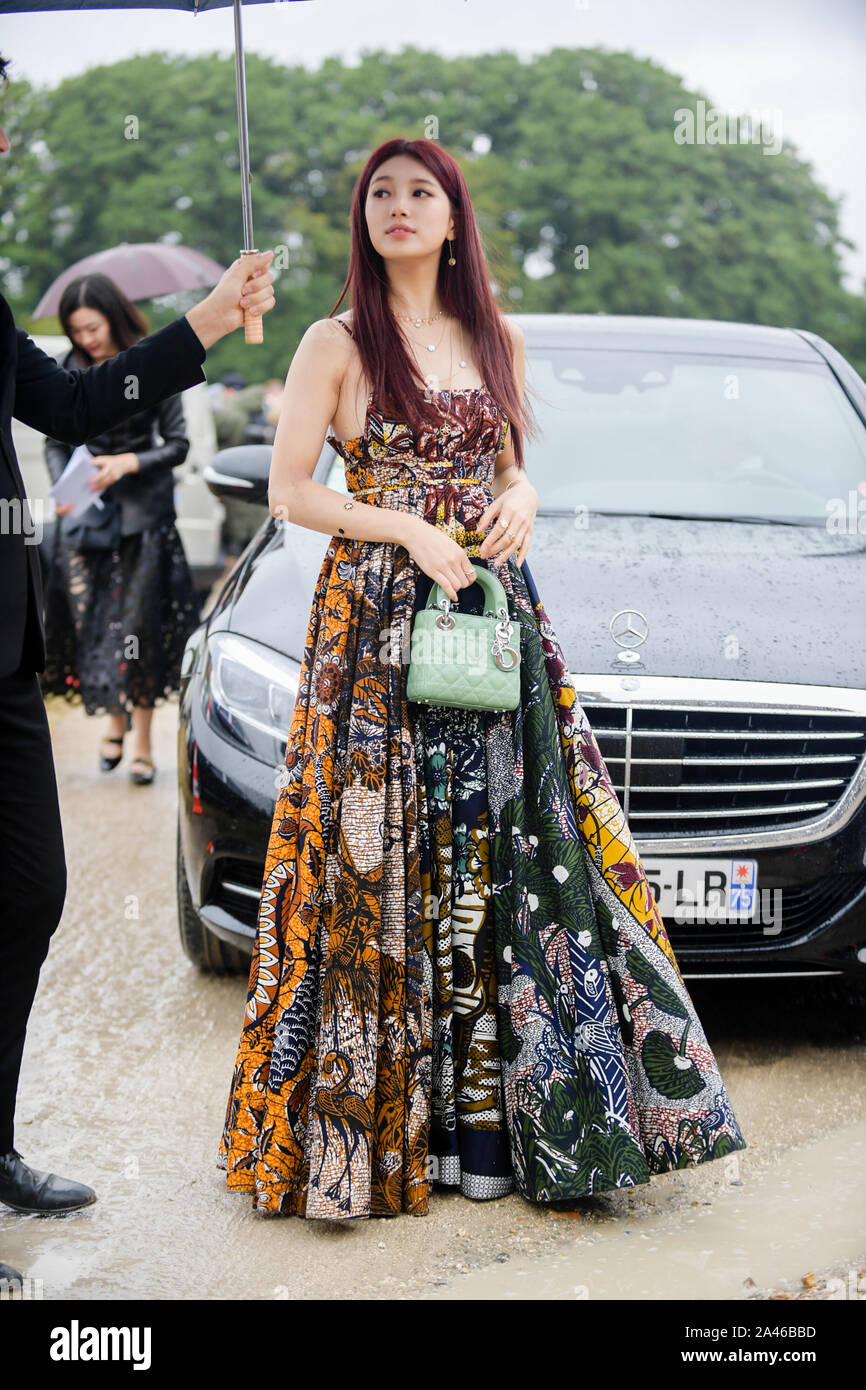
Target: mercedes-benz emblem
(629, 627)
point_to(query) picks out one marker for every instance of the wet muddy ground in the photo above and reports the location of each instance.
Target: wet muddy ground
(125, 1080)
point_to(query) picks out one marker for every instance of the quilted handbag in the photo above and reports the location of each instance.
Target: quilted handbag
(467, 660)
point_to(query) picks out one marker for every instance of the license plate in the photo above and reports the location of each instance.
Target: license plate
(687, 890)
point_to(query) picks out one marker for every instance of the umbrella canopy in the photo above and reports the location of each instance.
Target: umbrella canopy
(252, 322)
(28, 6)
(142, 269)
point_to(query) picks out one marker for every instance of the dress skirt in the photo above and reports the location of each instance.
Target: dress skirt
(460, 976)
(117, 621)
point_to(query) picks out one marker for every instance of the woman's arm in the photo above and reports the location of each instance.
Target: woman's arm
(171, 423)
(506, 466)
(515, 500)
(310, 398)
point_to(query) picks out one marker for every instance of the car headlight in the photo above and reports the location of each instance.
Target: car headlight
(249, 694)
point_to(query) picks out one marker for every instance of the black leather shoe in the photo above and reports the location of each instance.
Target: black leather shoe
(27, 1190)
(10, 1278)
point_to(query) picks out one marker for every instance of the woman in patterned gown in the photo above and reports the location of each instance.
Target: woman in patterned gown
(460, 976)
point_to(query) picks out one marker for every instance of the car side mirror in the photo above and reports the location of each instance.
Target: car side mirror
(241, 471)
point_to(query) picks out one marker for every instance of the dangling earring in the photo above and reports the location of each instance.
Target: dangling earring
(451, 260)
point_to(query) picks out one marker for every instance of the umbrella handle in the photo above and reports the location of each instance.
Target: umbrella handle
(253, 326)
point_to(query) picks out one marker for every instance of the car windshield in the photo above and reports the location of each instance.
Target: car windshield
(692, 435)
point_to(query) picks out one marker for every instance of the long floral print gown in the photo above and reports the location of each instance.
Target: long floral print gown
(460, 975)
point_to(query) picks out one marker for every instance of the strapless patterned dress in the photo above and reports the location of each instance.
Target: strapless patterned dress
(460, 976)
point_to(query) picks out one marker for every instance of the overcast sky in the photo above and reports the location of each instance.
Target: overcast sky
(802, 59)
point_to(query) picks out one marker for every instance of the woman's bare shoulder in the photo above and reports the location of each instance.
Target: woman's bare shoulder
(514, 329)
(328, 347)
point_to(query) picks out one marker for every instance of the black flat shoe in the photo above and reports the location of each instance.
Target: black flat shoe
(143, 773)
(28, 1190)
(108, 764)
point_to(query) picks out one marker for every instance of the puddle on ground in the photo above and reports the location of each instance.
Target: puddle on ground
(804, 1212)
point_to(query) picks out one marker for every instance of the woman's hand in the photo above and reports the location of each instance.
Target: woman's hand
(61, 508)
(440, 557)
(111, 468)
(513, 516)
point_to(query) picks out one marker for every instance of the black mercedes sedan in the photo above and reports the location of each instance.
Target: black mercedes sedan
(700, 549)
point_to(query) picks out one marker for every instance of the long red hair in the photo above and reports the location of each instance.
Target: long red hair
(464, 290)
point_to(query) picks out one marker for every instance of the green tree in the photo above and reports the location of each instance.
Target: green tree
(572, 149)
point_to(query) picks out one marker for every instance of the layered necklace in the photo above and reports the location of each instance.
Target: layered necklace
(418, 322)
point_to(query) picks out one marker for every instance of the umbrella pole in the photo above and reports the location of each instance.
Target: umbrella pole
(252, 322)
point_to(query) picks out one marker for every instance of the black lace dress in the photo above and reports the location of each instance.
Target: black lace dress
(117, 621)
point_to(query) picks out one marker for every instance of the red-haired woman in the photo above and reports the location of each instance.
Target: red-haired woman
(460, 975)
(119, 607)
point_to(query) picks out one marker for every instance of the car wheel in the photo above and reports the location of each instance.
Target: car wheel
(208, 952)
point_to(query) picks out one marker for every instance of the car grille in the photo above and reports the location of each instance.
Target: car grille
(689, 769)
(798, 912)
(706, 765)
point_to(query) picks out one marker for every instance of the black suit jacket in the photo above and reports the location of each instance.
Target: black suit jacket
(73, 406)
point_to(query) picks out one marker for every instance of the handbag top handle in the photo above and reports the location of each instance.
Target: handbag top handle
(493, 592)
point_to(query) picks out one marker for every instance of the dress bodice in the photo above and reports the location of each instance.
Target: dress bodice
(446, 468)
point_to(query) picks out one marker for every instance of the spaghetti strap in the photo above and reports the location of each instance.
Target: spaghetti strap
(343, 324)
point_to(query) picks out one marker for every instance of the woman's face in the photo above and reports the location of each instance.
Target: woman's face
(403, 193)
(89, 329)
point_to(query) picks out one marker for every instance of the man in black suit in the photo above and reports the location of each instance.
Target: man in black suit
(71, 406)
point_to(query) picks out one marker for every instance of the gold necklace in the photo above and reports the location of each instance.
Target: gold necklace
(431, 347)
(417, 320)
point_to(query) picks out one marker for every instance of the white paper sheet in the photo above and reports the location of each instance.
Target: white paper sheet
(73, 483)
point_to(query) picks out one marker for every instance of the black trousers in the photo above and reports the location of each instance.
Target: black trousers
(32, 870)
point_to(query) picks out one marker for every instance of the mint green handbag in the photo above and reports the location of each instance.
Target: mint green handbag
(465, 659)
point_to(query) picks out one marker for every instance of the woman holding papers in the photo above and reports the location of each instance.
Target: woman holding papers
(120, 600)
